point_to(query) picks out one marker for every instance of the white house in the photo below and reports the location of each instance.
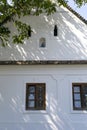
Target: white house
(43, 83)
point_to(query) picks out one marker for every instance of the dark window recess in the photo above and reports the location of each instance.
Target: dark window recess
(42, 43)
(29, 31)
(35, 96)
(55, 30)
(79, 96)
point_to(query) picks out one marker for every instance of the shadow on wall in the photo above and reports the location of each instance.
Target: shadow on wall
(17, 120)
(71, 42)
(12, 108)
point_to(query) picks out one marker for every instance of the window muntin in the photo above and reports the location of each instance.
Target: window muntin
(79, 96)
(35, 96)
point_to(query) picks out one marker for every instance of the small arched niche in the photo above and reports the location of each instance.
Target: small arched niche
(42, 42)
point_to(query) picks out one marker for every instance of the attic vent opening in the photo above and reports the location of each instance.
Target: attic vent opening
(29, 31)
(55, 30)
(42, 42)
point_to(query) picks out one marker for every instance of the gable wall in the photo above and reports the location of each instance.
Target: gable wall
(70, 44)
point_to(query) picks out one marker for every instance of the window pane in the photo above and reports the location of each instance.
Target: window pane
(31, 89)
(40, 97)
(31, 96)
(39, 104)
(76, 96)
(76, 89)
(84, 89)
(41, 92)
(86, 97)
(84, 101)
(85, 105)
(31, 104)
(77, 104)
(39, 89)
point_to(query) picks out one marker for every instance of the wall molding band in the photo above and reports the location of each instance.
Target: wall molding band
(43, 62)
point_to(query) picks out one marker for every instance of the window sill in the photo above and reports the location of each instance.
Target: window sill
(79, 111)
(34, 111)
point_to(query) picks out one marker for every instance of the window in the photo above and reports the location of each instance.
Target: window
(79, 96)
(42, 42)
(29, 31)
(35, 96)
(55, 30)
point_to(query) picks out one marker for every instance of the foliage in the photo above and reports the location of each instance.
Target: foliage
(4, 34)
(80, 2)
(11, 8)
(23, 32)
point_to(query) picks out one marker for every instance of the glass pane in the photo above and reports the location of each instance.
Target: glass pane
(42, 42)
(86, 97)
(40, 89)
(76, 96)
(76, 89)
(32, 89)
(40, 97)
(84, 104)
(31, 104)
(77, 104)
(31, 96)
(84, 89)
(40, 103)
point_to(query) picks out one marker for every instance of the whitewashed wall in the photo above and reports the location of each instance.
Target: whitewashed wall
(71, 43)
(59, 114)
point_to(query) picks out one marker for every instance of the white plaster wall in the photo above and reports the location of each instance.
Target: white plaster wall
(59, 114)
(70, 44)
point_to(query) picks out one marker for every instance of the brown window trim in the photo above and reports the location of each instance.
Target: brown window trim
(36, 99)
(82, 93)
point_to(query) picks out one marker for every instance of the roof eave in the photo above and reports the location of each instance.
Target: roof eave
(76, 14)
